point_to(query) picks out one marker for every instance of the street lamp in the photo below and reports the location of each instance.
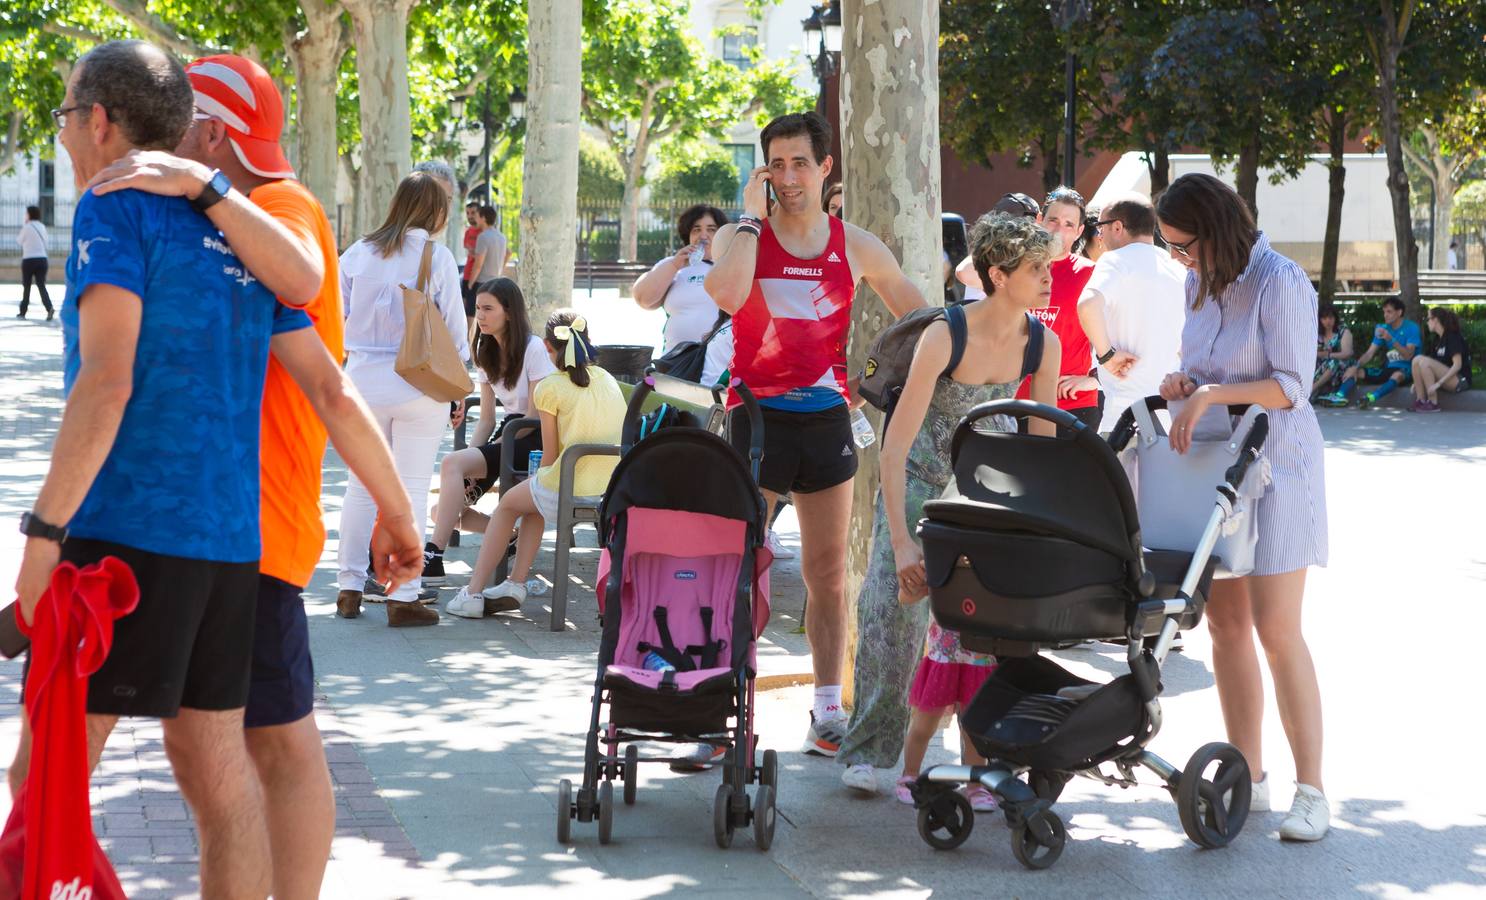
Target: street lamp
(823, 29)
(456, 108)
(1066, 15)
(517, 103)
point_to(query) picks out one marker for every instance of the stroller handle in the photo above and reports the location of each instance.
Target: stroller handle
(632, 416)
(1125, 427)
(1253, 442)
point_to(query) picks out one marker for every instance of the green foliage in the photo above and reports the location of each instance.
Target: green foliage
(695, 171)
(599, 176)
(1470, 203)
(645, 73)
(1001, 80)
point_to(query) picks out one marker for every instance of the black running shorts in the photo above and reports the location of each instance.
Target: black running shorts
(803, 452)
(188, 643)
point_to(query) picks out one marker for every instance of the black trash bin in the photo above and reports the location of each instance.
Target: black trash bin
(626, 362)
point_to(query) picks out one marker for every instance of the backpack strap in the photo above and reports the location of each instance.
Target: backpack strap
(1032, 355)
(959, 334)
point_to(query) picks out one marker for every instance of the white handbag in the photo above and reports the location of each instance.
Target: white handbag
(1175, 493)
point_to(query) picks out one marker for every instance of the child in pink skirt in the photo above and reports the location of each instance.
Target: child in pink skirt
(948, 677)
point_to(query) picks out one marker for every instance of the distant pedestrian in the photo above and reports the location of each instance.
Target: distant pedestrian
(32, 239)
(471, 234)
(1452, 256)
(835, 201)
(489, 260)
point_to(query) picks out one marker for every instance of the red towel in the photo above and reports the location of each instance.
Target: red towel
(48, 850)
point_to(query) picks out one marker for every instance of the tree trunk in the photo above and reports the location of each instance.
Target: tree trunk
(1246, 179)
(1052, 172)
(890, 149)
(1336, 143)
(381, 37)
(1387, 43)
(549, 194)
(1159, 165)
(316, 55)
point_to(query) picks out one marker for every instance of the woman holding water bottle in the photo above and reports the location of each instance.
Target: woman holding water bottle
(676, 281)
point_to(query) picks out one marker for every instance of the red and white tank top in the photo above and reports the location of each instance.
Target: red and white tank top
(791, 331)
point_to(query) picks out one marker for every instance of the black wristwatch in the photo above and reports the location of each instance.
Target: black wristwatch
(1106, 356)
(213, 192)
(33, 525)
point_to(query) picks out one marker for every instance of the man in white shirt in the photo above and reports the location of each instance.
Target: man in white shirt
(32, 239)
(1131, 308)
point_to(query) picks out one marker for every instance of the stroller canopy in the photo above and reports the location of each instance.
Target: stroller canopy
(686, 469)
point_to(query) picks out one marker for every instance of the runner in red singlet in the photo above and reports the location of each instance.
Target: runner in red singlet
(788, 278)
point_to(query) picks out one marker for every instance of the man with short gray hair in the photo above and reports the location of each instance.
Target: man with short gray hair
(165, 334)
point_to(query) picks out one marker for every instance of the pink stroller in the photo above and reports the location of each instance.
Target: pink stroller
(683, 575)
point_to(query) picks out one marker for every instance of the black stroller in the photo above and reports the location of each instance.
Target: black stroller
(683, 576)
(1062, 509)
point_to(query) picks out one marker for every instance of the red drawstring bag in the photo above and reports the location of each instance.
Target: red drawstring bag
(48, 850)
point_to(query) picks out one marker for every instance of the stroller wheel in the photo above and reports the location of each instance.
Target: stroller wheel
(945, 822)
(722, 820)
(564, 811)
(631, 773)
(1213, 810)
(769, 773)
(606, 811)
(1039, 842)
(763, 817)
(1046, 785)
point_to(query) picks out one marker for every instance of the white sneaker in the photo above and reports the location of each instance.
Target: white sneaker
(860, 777)
(504, 597)
(777, 547)
(1259, 797)
(1309, 818)
(466, 606)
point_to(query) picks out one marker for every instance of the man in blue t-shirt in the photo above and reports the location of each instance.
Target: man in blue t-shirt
(1398, 339)
(166, 334)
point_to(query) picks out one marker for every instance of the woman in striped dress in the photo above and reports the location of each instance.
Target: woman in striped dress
(1249, 338)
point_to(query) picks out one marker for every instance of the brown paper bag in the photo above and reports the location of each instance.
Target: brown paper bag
(427, 358)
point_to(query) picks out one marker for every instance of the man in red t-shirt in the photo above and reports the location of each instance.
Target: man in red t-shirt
(471, 235)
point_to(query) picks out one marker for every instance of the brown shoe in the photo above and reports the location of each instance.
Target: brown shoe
(348, 604)
(410, 614)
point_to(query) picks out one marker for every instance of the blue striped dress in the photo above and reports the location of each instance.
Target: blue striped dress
(1264, 326)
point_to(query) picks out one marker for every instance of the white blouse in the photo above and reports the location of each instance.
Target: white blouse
(371, 288)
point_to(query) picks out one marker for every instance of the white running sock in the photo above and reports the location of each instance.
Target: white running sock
(828, 702)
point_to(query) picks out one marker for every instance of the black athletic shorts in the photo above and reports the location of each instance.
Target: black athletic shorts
(475, 488)
(283, 680)
(188, 643)
(1089, 415)
(803, 452)
(467, 292)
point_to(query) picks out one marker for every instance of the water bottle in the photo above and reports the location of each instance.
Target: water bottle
(533, 462)
(698, 254)
(861, 430)
(655, 663)
(536, 587)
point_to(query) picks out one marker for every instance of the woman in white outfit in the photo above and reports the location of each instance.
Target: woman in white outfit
(373, 272)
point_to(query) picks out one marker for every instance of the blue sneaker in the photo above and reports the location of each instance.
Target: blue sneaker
(1333, 401)
(1366, 401)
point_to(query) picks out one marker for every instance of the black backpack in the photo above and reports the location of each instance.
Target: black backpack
(684, 361)
(891, 353)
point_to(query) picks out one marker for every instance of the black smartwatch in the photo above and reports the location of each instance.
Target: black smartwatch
(33, 525)
(1106, 356)
(213, 192)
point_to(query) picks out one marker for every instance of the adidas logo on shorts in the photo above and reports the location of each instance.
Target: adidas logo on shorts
(846, 450)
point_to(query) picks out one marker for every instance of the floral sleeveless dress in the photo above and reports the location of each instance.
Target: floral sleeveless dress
(890, 637)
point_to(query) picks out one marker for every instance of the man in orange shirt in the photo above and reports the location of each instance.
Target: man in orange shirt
(238, 121)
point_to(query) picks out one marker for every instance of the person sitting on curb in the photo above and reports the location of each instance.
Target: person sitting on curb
(1333, 351)
(1449, 367)
(1398, 339)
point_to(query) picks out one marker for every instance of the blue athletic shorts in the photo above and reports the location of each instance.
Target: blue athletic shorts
(283, 683)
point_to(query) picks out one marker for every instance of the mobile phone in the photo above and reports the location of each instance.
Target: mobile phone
(772, 198)
(12, 642)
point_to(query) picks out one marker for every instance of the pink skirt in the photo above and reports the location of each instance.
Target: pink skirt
(939, 685)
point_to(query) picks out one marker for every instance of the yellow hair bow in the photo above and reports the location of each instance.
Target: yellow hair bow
(572, 335)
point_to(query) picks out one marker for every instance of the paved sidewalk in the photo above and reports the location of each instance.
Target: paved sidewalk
(448, 742)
